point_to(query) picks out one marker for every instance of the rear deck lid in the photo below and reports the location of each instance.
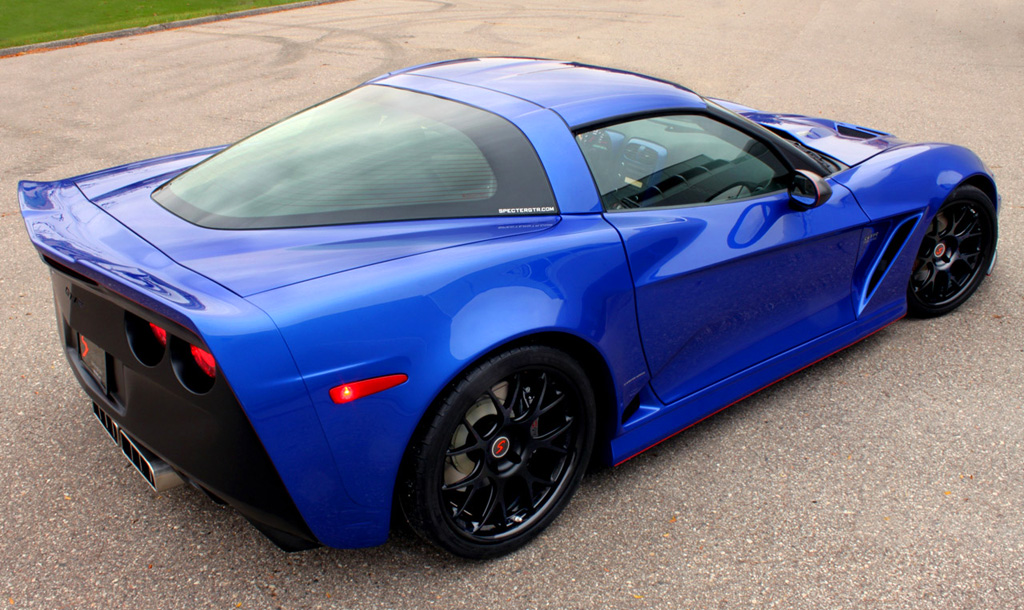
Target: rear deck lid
(256, 260)
(375, 174)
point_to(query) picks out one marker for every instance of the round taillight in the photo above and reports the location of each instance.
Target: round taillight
(159, 333)
(195, 367)
(147, 340)
(205, 361)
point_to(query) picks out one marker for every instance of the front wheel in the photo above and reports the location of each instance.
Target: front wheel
(955, 254)
(503, 454)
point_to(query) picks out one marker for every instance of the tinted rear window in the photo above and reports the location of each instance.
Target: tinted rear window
(372, 154)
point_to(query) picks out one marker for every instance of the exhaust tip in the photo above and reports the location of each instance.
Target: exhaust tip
(158, 474)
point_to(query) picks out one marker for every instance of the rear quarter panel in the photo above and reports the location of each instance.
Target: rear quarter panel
(431, 316)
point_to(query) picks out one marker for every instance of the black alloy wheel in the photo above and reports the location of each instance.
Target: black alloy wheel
(955, 254)
(503, 455)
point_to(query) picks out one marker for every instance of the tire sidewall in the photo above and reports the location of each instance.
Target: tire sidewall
(915, 306)
(422, 501)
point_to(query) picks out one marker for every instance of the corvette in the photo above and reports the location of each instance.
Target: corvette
(453, 288)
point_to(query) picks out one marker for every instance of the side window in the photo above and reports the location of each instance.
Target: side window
(678, 160)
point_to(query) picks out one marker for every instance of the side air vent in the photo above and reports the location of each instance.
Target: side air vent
(889, 253)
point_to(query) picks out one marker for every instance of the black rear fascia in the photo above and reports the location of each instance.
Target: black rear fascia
(206, 437)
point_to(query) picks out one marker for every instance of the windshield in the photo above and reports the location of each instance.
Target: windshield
(373, 154)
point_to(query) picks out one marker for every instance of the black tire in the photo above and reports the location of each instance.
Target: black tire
(955, 254)
(502, 455)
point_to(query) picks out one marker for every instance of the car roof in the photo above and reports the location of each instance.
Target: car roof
(580, 94)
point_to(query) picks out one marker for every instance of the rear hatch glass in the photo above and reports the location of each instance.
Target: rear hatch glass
(373, 154)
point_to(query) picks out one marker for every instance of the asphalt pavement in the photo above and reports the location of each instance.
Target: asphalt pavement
(887, 476)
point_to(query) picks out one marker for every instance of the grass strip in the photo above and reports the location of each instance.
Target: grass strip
(31, 21)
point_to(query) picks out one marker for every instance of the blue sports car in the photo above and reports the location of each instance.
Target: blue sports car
(455, 287)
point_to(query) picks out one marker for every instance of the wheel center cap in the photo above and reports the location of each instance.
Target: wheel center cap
(939, 250)
(500, 447)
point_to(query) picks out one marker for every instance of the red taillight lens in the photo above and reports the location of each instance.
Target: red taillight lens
(159, 333)
(205, 361)
(358, 389)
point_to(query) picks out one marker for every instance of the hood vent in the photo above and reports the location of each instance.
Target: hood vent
(855, 132)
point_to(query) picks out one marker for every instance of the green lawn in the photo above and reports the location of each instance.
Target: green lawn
(29, 21)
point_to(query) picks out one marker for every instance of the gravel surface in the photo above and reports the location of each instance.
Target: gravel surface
(888, 476)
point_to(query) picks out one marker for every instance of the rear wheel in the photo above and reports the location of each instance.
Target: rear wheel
(503, 454)
(955, 254)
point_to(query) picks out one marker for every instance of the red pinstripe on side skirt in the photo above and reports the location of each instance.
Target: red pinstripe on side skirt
(829, 355)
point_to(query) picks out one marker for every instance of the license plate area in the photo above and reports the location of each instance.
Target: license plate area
(94, 359)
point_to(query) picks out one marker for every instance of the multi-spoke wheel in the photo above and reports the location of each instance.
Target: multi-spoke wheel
(955, 254)
(503, 454)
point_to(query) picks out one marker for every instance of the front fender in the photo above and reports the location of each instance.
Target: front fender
(432, 315)
(912, 178)
(901, 190)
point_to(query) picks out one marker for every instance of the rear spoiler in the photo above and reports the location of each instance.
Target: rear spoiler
(78, 238)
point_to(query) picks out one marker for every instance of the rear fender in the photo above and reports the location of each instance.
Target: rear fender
(433, 315)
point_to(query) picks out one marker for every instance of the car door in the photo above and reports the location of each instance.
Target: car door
(727, 274)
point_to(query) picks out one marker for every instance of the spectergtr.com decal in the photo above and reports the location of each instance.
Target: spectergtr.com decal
(543, 210)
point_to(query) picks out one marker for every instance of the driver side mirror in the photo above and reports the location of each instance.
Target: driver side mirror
(808, 190)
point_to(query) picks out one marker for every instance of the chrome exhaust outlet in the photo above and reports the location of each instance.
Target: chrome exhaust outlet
(108, 424)
(157, 472)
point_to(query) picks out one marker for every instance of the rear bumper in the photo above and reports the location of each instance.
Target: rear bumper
(206, 438)
(253, 439)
